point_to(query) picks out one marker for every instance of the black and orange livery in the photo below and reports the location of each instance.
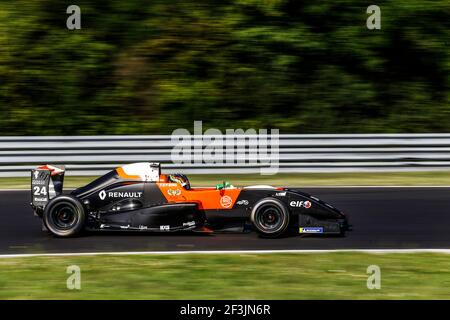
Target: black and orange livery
(137, 197)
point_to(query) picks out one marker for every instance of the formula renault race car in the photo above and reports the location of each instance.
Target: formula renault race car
(137, 197)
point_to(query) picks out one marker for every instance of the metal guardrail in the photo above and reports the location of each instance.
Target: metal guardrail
(94, 155)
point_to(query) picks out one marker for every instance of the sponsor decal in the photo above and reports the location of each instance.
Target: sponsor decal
(39, 182)
(226, 201)
(174, 192)
(167, 184)
(280, 194)
(189, 224)
(40, 199)
(141, 227)
(118, 194)
(242, 202)
(311, 230)
(301, 204)
(40, 178)
(164, 228)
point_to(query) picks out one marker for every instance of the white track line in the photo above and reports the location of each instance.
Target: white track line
(370, 251)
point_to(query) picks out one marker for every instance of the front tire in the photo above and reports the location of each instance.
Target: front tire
(270, 217)
(64, 216)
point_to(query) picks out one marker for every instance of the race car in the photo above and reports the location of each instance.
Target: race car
(138, 197)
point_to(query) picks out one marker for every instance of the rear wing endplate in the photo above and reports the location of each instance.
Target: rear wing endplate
(46, 183)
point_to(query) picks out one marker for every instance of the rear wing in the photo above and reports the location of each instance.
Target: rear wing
(46, 183)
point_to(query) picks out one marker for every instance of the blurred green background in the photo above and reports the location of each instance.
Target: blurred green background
(148, 67)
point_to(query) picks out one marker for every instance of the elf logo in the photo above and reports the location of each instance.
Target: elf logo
(300, 204)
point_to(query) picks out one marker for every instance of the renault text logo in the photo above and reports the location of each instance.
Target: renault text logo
(119, 194)
(299, 204)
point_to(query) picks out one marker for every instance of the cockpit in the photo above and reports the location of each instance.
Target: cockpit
(180, 179)
(144, 171)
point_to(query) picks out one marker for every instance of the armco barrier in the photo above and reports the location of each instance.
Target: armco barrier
(94, 155)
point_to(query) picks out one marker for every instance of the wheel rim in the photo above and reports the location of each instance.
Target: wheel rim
(270, 218)
(64, 216)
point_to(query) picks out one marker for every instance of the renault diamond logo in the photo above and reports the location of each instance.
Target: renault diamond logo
(102, 194)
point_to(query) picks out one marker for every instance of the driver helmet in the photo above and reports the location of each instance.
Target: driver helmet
(180, 179)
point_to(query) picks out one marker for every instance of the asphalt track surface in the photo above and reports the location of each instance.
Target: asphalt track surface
(382, 218)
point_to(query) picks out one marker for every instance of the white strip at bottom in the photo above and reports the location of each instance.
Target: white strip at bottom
(123, 253)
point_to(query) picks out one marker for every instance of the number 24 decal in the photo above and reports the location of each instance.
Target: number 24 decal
(40, 191)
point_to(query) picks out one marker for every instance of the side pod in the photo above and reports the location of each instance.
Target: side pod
(46, 183)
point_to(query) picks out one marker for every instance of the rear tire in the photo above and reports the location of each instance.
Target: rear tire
(64, 216)
(270, 217)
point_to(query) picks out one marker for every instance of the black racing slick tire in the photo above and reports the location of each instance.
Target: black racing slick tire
(64, 216)
(270, 217)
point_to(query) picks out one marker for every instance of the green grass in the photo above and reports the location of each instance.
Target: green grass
(226, 276)
(297, 179)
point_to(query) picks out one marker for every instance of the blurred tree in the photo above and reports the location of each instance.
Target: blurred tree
(148, 67)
